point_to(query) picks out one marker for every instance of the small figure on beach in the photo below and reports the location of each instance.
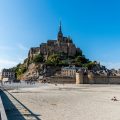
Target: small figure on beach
(114, 99)
(55, 84)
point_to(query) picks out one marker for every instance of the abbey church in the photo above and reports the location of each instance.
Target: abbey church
(63, 45)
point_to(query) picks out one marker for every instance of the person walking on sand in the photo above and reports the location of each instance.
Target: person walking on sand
(114, 99)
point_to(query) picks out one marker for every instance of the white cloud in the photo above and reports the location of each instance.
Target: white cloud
(111, 65)
(7, 63)
(22, 47)
(5, 47)
(13, 59)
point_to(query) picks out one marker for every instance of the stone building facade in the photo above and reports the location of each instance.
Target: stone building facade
(8, 73)
(61, 45)
(69, 71)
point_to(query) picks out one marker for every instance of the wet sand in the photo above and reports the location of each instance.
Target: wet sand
(71, 102)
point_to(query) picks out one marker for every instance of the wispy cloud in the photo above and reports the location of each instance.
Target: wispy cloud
(7, 63)
(22, 47)
(111, 65)
(2, 61)
(4, 47)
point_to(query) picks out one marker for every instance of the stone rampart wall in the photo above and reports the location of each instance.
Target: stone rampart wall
(102, 80)
(61, 80)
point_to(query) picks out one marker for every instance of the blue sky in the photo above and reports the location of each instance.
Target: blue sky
(94, 26)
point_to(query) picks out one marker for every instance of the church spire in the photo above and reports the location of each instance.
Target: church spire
(60, 34)
(60, 28)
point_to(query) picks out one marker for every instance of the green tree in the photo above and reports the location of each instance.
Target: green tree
(63, 63)
(38, 58)
(79, 53)
(53, 59)
(90, 65)
(81, 59)
(22, 69)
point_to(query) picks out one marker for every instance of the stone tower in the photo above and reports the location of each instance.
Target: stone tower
(60, 34)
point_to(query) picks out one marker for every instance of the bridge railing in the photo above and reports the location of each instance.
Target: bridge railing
(2, 111)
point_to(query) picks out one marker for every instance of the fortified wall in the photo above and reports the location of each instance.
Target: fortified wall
(90, 78)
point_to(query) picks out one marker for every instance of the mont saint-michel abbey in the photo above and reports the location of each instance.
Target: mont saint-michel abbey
(61, 45)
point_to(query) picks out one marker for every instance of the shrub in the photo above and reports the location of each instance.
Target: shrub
(38, 58)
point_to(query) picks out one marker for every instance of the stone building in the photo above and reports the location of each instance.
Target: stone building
(69, 71)
(8, 73)
(61, 45)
